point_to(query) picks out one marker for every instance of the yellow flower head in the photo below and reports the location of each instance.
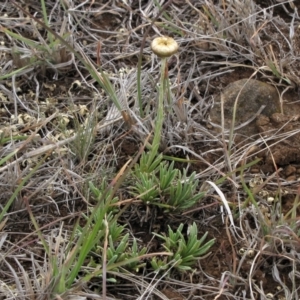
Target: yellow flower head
(164, 46)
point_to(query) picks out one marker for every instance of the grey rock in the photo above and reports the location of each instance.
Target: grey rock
(253, 95)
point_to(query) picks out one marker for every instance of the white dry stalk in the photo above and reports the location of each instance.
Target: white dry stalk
(252, 269)
(225, 202)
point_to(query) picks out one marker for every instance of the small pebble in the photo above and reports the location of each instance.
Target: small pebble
(289, 170)
(291, 178)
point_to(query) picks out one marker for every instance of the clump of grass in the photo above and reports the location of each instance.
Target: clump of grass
(48, 52)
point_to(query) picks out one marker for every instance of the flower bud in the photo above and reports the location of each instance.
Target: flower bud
(164, 46)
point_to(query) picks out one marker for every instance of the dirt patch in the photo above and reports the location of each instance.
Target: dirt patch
(285, 150)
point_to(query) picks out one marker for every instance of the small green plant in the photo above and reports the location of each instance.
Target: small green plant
(163, 47)
(186, 251)
(183, 192)
(120, 249)
(101, 192)
(82, 145)
(146, 187)
(157, 181)
(164, 185)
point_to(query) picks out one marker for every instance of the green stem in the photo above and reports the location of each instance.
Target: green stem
(160, 112)
(139, 87)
